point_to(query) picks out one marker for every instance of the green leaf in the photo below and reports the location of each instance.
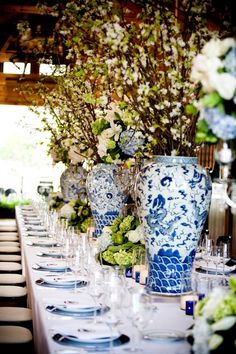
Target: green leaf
(190, 109)
(215, 341)
(211, 100)
(203, 133)
(224, 324)
(75, 39)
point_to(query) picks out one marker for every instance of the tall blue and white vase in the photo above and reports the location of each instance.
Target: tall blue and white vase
(173, 198)
(107, 194)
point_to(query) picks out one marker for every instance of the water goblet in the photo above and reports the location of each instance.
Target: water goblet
(96, 290)
(131, 307)
(207, 252)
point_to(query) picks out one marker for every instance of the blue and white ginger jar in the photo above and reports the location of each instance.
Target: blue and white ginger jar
(73, 183)
(173, 197)
(107, 194)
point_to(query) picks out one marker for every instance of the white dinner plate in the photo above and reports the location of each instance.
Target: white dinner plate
(77, 308)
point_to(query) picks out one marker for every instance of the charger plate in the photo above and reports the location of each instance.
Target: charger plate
(88, 346)
(159, 334)
(83, 314)
(70, 285)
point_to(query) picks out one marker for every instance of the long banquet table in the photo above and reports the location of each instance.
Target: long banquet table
(168, 316)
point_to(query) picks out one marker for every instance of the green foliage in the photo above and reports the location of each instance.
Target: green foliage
(203, 133)
(119, 249)
(80, 218)
(7, 206)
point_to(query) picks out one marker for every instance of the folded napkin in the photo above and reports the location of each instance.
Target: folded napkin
(67, 278)
(51, 265)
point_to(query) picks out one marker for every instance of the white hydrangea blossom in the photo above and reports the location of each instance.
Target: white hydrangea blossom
(104, 240)
(66, 211)
(201, 333)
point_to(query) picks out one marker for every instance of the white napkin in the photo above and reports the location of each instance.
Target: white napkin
(59, 279)
(52, 265)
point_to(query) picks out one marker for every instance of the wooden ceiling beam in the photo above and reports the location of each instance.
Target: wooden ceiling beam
(25, 9)
(12, 84)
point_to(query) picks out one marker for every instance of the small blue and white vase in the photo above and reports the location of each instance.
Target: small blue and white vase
(73, 183)
(107, 194)
(173, 197)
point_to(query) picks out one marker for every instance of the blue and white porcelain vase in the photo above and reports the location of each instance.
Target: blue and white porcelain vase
(107, 194)
(73, 183)
(173, 198)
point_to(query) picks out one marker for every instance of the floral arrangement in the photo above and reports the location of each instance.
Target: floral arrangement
(118, 140)
(214, 69)
(77, 212)
(214, 329)
(138, 54)
(149, 62)
(122, 243)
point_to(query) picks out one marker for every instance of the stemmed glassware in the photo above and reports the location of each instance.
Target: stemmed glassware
(95, 290)
(207, 251)
(220, 256)
(131, 307)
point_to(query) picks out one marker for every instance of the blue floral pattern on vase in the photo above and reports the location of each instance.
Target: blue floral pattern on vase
(73, 183)
(173, 197)
(107, 194)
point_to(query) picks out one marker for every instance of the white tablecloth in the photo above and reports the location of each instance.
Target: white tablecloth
(169, 316)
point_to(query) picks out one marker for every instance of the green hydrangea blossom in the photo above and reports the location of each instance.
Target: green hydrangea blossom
(125, 225)
(123, 258)
(108, 256)
(99, 125)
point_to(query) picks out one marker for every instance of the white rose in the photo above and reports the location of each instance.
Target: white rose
(225, 84)
(66, 211)
(106, 230)
(133, 236)
(204, 70)
(216, 47)
(140, 231)
(74, 155)
(215, 299)
(102, 145)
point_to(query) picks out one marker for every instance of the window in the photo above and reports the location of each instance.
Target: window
(16, 68)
